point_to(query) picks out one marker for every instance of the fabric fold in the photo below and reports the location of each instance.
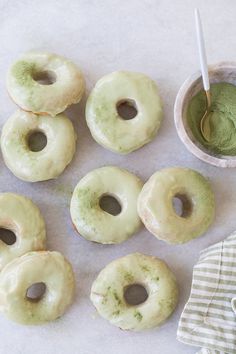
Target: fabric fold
(208, 319)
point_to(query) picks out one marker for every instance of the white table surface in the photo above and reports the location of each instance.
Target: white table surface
(156, 37)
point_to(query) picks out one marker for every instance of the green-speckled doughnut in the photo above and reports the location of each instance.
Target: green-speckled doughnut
(33, 166)
(107, 293)
(20, 215)
(50, 268)
(106, 125)
(67, 86)
(94, 223)
(155, 205)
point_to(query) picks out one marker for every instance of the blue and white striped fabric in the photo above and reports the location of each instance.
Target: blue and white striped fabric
(209, 351)
(209, 319)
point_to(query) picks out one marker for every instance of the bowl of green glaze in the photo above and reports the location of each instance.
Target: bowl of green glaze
(190, 106)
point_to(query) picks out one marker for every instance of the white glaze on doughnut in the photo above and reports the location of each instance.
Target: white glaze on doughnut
(97, 225)
(107, 293)
(41, 165)
(156, 209)
(105, 124)
(20, 215)
(50, 268)
(30, 95)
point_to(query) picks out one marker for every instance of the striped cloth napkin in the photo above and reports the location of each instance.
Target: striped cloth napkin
(209, 317)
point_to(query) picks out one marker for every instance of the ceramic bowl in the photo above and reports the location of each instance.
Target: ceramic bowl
(222, 72)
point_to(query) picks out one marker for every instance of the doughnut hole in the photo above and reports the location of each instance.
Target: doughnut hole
(110, 205)
(127, 109)
(182, 205)
(135, 294)
(36, 140)
(46, 77)
(7, 236)
(36, 292)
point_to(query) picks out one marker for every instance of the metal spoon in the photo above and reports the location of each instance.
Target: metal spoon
(205, 121)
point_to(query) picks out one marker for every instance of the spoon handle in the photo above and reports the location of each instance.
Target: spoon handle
(202, 51)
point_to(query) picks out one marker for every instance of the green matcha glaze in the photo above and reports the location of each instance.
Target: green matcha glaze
(23, 72)
(222, 118)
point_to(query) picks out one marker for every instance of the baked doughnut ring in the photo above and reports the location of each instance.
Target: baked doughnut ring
(33, 166)
(155, 205)
(94, 223)
(105, 123)
(108, 292)
(49, 268)
(63, 83)
(20, 215)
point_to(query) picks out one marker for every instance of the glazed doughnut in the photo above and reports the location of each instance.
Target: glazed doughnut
(155, 205)
(49, 268)
(107, 126)
(20, 215)
(90, 220)
(65, 83)
(108, 292)
(42, 165)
